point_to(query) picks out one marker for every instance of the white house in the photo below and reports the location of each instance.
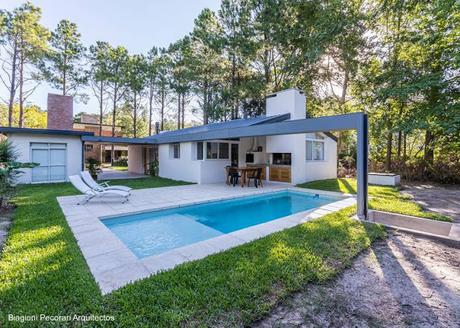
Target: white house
(286, 158)
(198, 154)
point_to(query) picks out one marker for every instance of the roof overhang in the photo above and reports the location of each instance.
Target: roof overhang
(320, 124)
(118, 140)
(11, 130)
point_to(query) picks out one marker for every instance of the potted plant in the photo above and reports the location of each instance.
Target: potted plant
(93, 167)
(153, 168)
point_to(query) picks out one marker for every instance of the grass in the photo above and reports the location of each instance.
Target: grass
(381, 198)
(43, 271)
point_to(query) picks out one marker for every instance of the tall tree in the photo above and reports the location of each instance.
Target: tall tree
(180, 79)
(152, 61)
(25, 42)
(116, 65)
(135, 83)
(98, 76)
(206, 63)
(239, 47)
(163, 96)
(63, 67)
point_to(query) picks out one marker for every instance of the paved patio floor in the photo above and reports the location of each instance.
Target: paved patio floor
(113, 265)
(110, 174)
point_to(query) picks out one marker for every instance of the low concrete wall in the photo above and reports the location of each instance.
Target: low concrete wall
(383, 179)
(412, 223)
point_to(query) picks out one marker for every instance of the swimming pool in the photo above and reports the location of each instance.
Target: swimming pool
(155, 232)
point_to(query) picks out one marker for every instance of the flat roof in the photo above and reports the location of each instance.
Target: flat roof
(12, 130)
(118, 140)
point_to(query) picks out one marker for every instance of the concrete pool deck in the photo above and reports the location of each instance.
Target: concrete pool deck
(113, 265)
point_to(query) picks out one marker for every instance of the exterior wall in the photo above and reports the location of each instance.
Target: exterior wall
(74, 151)
(213, 170)
(188, 168)
(301, 169)
(184, 168)
(246, 144)
(320, 170)
(60, 112)
(287, 101)
(135, 159)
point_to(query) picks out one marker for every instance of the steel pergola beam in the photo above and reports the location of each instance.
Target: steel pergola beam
(353, 121)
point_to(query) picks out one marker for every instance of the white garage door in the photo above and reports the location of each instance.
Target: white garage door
(52, 158)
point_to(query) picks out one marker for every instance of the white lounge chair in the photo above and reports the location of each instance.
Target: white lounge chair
(88, 179)
(90, 193)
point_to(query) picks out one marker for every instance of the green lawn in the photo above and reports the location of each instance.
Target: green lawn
(381, 198)
(43, 271)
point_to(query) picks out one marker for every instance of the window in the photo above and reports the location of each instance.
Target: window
(223, 151)
(217, 150)
(52, 160)
(199, 151)
(315, 147)
(175, 150)
(88, 147)
(212, 150)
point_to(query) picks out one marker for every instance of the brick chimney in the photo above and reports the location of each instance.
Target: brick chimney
(60, 112)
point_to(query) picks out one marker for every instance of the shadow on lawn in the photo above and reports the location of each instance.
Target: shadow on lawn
(243, 284)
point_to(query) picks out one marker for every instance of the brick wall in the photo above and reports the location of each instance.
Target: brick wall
(60, 112)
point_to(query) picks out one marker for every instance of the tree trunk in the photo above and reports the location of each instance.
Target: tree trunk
(150, 111)
(101, 106)
(389, 150)
(205, 105)
(21, 91)
(135, 116)
(114, 116)
(13, 86)
(399, 144)
(178, 111)
(183, 110)
(234, 109)
(162, 113)
(429, 149)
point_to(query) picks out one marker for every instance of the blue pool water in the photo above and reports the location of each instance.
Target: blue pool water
(155, 232)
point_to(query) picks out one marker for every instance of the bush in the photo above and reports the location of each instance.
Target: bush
(153, 168)
(93, 166)
(122, 161)
(9, 170)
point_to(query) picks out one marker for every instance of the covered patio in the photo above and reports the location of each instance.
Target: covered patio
(140, 152)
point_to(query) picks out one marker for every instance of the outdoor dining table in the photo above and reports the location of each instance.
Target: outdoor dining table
(243, 172)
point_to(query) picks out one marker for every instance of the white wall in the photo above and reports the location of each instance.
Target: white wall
(294, 102)
(74, 151)
(246, 144)
(184, 168)
(290, 101)
(320, 170)
(135, 159)
(187, 168)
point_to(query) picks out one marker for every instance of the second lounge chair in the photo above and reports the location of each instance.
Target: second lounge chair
(90, 193)
(86, 176)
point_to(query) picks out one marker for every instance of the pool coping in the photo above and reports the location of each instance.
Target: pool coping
(113, 265)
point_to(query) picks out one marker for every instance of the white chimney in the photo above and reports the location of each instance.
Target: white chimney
(290, 101)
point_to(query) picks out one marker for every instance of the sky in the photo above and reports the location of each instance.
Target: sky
(136, 24)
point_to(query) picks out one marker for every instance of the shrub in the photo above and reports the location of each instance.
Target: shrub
(122, 161)
(9, 170)
(93, 166)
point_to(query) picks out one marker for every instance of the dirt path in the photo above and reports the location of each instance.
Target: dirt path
(436, 198)
(404, 280)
